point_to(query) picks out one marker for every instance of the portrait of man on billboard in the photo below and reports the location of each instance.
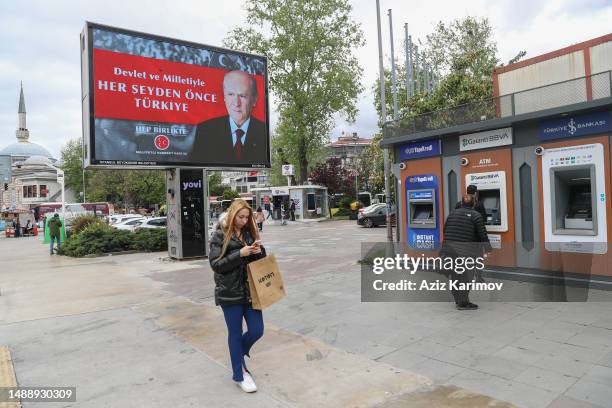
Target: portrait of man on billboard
(237, 138)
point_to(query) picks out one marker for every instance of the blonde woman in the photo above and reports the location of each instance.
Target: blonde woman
(234, 244)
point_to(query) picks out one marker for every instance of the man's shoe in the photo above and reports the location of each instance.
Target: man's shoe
(247, 384)
(467, 306)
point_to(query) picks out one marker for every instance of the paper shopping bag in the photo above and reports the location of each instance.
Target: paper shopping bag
(265, 282)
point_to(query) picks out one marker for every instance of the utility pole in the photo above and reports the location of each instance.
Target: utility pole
(393, 77)
(408, 62)
(384, 120)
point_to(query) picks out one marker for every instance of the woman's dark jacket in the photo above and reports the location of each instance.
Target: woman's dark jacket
(231, 284)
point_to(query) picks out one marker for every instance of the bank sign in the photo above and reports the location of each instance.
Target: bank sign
(417, 150)
(575, 126)
(482, 140)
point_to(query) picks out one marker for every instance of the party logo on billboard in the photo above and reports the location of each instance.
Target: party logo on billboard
(161, 142)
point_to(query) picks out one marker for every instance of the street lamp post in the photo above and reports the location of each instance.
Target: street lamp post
(356, 170)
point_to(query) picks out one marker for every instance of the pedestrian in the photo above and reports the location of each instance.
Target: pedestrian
(28, 228)
(259, 218)
(267, 206)
(292, 210)
(465, 236)
(234, 244)
(478, 205)
(55, 225)
(17, 227)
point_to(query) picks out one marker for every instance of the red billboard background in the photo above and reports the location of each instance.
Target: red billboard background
(140, 88)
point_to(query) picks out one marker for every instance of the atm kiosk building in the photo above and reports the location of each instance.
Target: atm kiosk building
(539, 152)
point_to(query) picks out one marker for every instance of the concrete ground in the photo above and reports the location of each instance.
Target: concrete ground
(139, 330)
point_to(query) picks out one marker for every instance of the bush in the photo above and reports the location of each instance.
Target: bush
(81, 222)
(345, 202)
(343, 212)
(99, 238)
(150, 240)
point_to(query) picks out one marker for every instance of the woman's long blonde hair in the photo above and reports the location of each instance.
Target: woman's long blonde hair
(228, 229)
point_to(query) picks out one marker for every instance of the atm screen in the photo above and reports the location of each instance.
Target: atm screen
(491, 201)
(422, 212)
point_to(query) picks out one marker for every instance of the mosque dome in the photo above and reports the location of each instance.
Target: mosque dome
(25, 149)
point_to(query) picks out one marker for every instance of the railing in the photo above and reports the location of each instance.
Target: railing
(564, 93)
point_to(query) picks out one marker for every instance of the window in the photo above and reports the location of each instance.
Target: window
(311, 202)
(43, 190)
(30, 191)
(158, 223)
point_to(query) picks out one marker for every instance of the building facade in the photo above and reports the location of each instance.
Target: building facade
(538, 151)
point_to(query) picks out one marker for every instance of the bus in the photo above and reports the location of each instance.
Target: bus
(73, 209)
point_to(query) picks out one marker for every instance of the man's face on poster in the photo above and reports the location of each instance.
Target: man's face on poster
(240, 95)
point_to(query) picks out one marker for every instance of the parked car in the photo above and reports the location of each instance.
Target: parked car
(118, 218)
(375, 215)
(130, 224)
(151, 223)
(369, 209)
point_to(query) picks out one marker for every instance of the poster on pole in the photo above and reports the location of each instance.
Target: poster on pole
(151, 101)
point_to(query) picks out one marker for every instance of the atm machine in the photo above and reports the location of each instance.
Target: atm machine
(573, 185)
(421, 208)
(493, 195)
(422, 215)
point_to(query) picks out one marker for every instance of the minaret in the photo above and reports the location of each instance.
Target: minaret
(22, 132)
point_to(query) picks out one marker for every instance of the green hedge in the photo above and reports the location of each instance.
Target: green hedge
(99, 238)
(343, 212)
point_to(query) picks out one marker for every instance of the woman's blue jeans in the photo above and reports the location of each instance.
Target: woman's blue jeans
(240, 343)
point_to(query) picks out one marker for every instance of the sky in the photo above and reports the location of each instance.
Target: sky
(39, 45)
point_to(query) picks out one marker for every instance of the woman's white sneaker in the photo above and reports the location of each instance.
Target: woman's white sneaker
(247, 384)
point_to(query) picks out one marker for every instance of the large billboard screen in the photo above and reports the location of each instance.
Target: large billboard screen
(151, 101)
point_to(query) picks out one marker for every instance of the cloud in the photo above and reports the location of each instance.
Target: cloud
(40, 45)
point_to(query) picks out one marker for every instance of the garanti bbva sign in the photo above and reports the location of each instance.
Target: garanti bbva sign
(482, 140)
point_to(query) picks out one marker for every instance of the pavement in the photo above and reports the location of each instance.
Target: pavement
(140, 330)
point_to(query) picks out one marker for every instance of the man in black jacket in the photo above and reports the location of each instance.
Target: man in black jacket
(465, 236)
(478, 205)
(237, 138)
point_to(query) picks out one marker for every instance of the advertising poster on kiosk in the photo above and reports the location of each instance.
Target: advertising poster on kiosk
(422, 217)
(151, 101)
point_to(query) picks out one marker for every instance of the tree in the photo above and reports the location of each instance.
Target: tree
(314, 73)
(229, 194)
(371, 166)
(143, 188)
(463, 54)
(129, 188)
(335, 177)
(215, 188)
(72, 159)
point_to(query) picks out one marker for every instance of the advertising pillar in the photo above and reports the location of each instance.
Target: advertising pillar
(187, 220)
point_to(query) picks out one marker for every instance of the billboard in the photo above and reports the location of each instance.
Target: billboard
(151, 101)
